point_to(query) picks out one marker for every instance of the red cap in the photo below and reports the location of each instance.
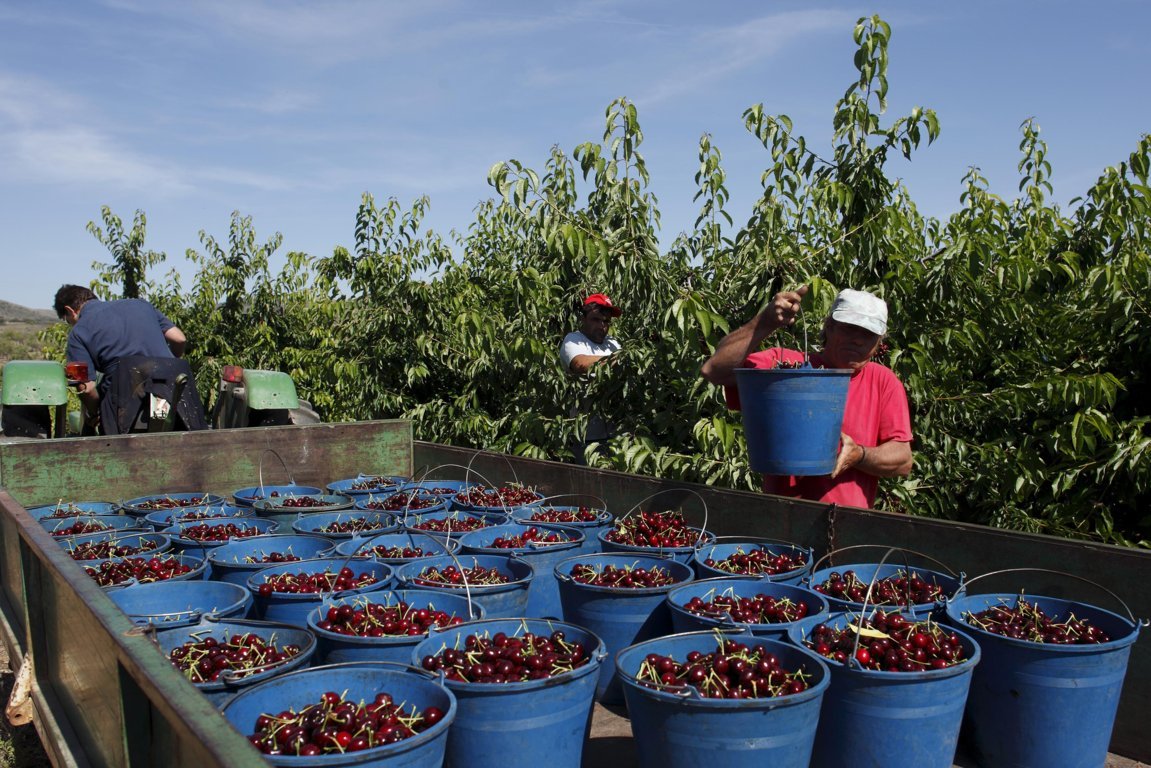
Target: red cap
(605, 302)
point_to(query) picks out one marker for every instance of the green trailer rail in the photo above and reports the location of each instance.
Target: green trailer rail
(101, 695)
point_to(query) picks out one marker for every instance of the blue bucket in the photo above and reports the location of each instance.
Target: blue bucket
(73, 509)
(866, 572)
(364, 485)
(229, 562)
(367, 523)
(620, 616)
(1040, 704)
(372, 546)
(165, 518)
(792, 418)
(127, 543)
(893, 719)
(591, 529)
(68, 527)
(338, 648)
(684, 730)
(179, 603)
(544, 593)
(197, 563)
(145, 505)
(229, 684)
(245, 525)
(356, 682)
(719, 552)
(294, 607)
(499, 600)
(520, 725)
(403, 502)
(679, 554)
(246, 497)
(683, 620)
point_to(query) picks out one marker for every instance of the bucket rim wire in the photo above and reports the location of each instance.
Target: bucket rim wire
(404, 745)
(566, 577)
(689, 692)
(724, 621)
(960, 577)
(596, 656)
(1130, 637)
(468, 472)
(719, 541)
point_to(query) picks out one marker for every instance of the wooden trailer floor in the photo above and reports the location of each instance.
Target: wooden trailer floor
(611, 744)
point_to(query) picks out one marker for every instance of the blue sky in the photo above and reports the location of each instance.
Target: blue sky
(288, 110)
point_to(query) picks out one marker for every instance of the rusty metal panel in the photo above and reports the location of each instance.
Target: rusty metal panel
(972, 549)
(121, 467)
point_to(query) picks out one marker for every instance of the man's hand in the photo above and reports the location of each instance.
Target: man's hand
(850, 454)
(734, 348)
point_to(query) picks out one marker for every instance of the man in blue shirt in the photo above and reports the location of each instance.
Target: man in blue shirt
(103, 332)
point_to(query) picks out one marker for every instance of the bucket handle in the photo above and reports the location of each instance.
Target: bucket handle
(1126, 608)
(835, 552)
(686, 690)
(703, 529)
(468, 472)
(284, 464)
(602, 515)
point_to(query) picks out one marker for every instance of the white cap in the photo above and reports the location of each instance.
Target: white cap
(860, 308)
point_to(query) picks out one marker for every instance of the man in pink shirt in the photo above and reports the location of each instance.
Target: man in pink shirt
(876, 437)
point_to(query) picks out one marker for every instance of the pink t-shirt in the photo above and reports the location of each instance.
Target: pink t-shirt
(876, 411)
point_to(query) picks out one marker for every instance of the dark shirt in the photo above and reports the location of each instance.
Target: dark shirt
(108, 330)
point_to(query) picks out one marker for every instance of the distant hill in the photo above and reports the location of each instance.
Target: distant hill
(14, 313)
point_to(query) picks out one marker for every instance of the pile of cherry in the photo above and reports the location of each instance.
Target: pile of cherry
(219, 531)
(397, 551)
(758, 561)
(1027, 621)
(272, 558)
(532, 535)
(503, 658)
(354, 525)
(667, 529)
(452, 524)
(300, 502)
(451, 576)
(889, 643)
(554, 515)
(166, 502)
(901, 589)
(304, 583)
(504, 496)
(334, 725)
(98, 550)
(368, 619)
(627, 577)
(397, 502)
(732, 671)
(237, 656)
(81, 527)
(142, 570)
(761, 609)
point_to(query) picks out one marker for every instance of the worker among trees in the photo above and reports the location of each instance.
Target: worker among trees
(876, 433)
(583, 349)
(106, 333)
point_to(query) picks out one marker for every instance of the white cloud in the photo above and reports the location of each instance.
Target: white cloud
(731, 49)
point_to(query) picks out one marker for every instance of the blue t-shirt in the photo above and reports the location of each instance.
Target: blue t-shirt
(108, 330)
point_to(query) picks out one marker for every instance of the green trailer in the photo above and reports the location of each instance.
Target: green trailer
(101, 695)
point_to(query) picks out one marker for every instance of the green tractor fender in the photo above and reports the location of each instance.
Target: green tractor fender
(36, 382)
(268, 390)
